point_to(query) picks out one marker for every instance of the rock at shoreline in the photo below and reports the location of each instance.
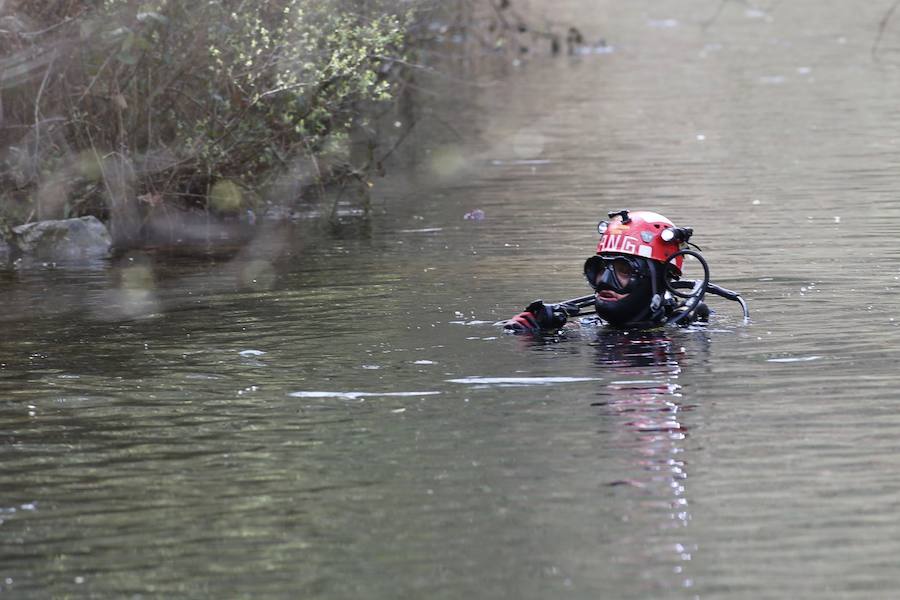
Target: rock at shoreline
(68, 240)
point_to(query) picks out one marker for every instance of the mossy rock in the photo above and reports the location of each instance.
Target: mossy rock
(69, 240)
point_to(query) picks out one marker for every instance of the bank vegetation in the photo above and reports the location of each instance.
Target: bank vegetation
(140, 113)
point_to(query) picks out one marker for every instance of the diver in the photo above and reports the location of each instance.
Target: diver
(636, 275)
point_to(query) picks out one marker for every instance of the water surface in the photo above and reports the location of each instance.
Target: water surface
(345, 421)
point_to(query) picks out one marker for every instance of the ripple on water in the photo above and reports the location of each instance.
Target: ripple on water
(251, 353)
(511, 381)
(358, 395)
(794, 359)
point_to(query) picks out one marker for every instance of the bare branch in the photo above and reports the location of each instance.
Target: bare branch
(37, 107)
(709, 22)
(882, 26)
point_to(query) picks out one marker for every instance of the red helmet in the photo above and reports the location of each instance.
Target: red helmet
(642, 233)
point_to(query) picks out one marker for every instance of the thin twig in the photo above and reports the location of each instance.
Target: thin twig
(320, 185)
(28, 34)
(430, 70)
(881, 28)
(100, 166)
(94, 79)
(37, 109)
(278, 90)
(709, 22)
(396, 144)
(448, 126)
(400, 61)
(500, 16)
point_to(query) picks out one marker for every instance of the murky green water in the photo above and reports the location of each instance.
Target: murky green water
(348, 423)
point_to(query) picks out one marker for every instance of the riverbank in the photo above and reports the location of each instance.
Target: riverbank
(194, 123)
(135, 116)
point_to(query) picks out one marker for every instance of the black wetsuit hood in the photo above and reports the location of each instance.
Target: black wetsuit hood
(644, 306)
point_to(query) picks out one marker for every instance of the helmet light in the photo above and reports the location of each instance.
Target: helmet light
(678, 234)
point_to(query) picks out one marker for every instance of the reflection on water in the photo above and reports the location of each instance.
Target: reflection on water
(343, 419)
(645, 397)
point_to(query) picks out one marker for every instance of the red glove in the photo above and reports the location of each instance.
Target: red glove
(524, 321)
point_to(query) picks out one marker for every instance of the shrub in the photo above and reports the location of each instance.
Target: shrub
(105, 101)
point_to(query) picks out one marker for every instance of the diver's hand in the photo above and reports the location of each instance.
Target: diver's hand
(524, 321)
(538, 315)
